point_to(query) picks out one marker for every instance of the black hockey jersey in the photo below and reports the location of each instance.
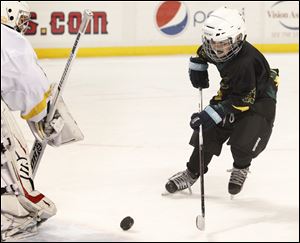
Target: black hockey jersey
(246, 79)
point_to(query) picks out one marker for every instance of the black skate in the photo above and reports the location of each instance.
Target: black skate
(180, 181)
(237, 179)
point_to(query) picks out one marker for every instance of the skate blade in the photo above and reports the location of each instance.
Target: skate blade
(166, 193)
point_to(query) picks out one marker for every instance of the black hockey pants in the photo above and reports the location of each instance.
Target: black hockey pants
(247, 133)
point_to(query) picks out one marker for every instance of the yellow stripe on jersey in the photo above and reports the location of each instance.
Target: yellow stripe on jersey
(241, 108)
(219, 95)
(39, 107)
(277, 81)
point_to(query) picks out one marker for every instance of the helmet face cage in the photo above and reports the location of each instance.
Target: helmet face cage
(22, 21)
(222, 51)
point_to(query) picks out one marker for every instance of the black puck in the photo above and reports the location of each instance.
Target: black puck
(126, 223)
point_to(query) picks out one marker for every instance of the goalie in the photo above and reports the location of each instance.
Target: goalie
(25, 88)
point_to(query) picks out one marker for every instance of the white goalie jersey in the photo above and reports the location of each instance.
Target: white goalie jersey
(24, 85)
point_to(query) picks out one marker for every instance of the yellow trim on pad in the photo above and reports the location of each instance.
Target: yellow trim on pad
(148, 50)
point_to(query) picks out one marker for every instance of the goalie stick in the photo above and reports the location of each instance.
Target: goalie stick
(39, 147)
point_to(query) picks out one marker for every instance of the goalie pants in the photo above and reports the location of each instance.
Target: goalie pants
(247, 134)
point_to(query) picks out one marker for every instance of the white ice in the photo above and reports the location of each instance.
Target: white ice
(135, 112)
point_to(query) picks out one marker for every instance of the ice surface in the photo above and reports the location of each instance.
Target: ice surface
(135, 112)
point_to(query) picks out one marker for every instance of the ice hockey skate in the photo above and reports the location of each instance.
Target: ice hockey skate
(237, 179)
(180, 181)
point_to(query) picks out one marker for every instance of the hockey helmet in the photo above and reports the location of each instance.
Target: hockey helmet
(15, 14)
(223, 34)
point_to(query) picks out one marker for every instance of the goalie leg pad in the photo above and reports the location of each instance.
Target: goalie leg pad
(22, 207)
(14, 151)
(16, 222)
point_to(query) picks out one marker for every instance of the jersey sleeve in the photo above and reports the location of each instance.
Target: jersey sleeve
(25, 85)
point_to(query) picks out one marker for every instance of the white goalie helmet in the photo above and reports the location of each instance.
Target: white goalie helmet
(15, 14)
(223, 34)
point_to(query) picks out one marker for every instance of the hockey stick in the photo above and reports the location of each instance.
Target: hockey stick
(39, 147)
(200, 219)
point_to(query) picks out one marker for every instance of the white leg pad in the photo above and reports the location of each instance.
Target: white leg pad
(22, 207)
(16, 222)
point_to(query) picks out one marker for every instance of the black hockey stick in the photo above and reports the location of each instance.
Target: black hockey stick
(200, 219)
(39, 147)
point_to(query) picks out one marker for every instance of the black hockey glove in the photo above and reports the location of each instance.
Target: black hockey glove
(208, 118)
(198, 72)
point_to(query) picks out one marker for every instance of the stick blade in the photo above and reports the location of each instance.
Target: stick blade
(88, 12)
(200, 222)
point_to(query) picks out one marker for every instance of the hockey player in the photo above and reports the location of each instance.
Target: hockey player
(243, 110)
(24, 88)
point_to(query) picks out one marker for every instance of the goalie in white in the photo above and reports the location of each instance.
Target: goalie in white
(25, 88)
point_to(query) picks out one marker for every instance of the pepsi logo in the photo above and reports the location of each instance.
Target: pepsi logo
(171, 17)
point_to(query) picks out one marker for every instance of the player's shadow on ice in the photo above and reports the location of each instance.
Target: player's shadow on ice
(261, 211)
(266, 212)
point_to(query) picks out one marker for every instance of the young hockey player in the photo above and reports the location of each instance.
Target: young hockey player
(243, 110)
(24, 88)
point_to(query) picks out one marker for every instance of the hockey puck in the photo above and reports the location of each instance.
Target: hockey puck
(126, 223)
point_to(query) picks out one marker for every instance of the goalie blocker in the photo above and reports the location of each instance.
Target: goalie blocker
(62, 129)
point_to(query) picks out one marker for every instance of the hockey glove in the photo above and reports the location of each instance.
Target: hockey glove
(62, 129)
(49, 130)
(198, 72)
(208, 118)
